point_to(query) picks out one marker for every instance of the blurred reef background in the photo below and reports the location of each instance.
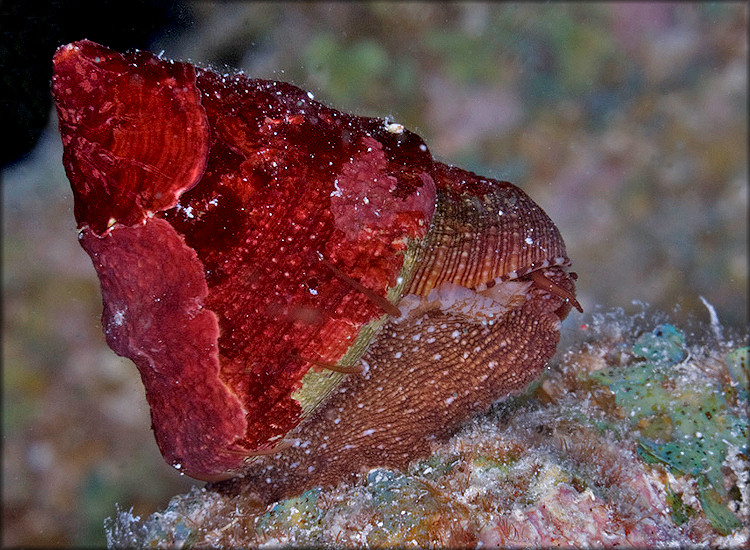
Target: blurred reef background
(626, 122)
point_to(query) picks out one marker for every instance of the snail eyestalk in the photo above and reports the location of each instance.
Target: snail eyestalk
(543, 282)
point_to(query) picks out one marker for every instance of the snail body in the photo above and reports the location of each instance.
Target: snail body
(305, 293)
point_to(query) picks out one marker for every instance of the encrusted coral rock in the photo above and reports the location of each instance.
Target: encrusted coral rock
(570, 463)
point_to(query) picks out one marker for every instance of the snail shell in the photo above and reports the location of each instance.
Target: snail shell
(305, 293)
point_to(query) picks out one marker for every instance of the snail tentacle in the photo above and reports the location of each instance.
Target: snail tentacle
(543, 282)
(343, 369)
(374, 297)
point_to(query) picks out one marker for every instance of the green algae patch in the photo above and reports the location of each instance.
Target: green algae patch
(685, 423)
(436, 466)
(299, 513)
(406, 510)
(738, 365)
(679, 511)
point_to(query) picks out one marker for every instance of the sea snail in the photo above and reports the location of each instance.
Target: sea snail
(305, 293)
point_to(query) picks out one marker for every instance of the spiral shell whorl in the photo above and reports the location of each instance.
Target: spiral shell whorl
(484, 232)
